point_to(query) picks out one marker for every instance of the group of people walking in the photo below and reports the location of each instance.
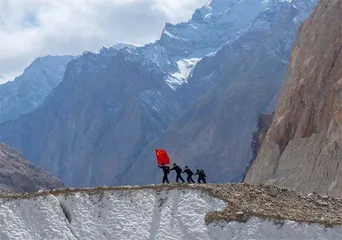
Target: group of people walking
(166, 170)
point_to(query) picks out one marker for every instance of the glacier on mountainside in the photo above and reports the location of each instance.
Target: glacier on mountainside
(184, 67)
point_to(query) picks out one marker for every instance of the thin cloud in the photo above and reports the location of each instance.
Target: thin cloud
(32, 28)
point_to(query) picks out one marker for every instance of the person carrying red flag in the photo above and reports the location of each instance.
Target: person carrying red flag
(162, 160)
(166, 171)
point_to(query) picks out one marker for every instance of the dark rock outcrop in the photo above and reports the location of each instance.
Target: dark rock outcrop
(303, 148)
(263, 124)
(17, 174)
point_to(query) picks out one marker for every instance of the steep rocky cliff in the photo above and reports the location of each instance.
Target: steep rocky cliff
(17, 174)
(303, 148)
(28, 91)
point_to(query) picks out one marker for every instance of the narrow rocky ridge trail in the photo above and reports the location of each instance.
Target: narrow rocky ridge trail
(175, 211)
(303, 148)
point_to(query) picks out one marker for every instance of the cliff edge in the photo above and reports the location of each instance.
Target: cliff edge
(303, 148)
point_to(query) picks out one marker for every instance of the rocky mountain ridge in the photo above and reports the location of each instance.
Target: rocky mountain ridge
(17, 174)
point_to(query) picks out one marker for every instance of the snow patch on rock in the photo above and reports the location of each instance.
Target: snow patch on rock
(184, 68)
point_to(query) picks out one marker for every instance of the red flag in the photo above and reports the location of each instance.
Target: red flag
(162, 157)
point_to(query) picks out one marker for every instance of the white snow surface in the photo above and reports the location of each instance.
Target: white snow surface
(138, 214)
(184, 69)
(258, 229)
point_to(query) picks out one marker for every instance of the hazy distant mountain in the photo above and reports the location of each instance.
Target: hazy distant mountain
(28, 91)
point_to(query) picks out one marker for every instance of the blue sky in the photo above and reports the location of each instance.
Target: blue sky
(33, 28)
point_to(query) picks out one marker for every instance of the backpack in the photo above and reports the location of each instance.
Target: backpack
(167, 169)
(202, 172)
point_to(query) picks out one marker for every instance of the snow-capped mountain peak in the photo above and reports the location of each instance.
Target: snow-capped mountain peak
(182, 45)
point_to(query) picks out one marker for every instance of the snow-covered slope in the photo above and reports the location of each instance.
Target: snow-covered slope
(28, 91)
(153, 212)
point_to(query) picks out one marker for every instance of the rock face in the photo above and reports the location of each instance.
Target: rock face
(237, 212)
(303, 148)
(263, 125)
(17, 174)
(28, 91)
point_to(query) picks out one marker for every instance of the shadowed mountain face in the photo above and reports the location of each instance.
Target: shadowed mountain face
(17, 174)
(28, 91)
(100, 117)
(100, 125)
(303, 148)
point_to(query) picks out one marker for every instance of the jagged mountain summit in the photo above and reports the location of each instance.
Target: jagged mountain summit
(28, 91)
(303, 148)
(203, 212)
(98, 126)
(17, 174)
(182, 45)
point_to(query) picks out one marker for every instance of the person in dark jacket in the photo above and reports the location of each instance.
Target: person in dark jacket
(190, 174)
(178, 171)
(201, 176)
(166, 171)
